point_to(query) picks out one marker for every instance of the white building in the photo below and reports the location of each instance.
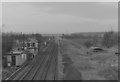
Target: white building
(16, 58)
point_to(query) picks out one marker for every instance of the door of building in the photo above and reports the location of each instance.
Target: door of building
(13, 60)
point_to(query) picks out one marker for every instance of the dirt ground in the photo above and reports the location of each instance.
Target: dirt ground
(94, 66)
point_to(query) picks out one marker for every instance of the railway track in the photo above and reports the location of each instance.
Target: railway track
(42, 67)
(48, 66)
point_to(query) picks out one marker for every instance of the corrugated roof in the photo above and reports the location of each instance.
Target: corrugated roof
(32, 40)
(15, 52)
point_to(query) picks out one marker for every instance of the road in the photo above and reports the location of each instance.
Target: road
(42, 67)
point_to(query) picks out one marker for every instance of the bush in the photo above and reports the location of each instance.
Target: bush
(88, 44)
(110, 39)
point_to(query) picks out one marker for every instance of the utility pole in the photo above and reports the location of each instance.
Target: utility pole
(111, 28)
(23, 40)
(39, 41)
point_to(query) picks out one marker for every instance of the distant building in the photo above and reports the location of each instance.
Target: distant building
(31, 45)
(22, 51)
(16, 58)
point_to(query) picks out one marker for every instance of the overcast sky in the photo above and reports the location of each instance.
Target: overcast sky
(59, 17)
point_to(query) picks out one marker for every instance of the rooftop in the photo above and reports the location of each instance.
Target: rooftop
(32, 40)
(15, 52)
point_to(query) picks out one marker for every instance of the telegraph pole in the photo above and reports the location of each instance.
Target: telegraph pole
(39, 41)
(23, 40)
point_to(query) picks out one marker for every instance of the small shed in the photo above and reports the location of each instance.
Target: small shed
(117, 52)
(96, 49)
(16, 58)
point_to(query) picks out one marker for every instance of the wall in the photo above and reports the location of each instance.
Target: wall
(8, 58)
(20, 59)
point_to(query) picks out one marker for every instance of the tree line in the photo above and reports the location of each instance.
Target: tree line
(108, 40)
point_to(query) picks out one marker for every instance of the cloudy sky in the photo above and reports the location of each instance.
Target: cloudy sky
(59, 17)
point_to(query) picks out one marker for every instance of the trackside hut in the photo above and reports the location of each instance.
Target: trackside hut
(16, 58)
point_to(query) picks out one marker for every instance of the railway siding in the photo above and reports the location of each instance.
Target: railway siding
(42, 67)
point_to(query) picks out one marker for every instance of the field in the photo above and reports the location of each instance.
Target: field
(93, 66)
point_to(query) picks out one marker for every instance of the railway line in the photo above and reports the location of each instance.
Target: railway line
(42, 67)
